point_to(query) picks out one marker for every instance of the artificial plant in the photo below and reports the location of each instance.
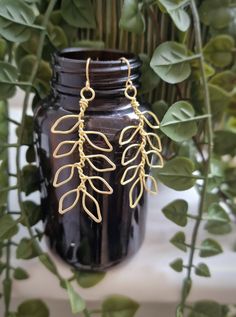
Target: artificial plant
(188, 74)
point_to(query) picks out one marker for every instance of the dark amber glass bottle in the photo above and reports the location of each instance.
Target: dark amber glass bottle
(74, 236)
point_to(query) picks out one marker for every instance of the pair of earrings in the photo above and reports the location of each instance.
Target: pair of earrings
(149, 146)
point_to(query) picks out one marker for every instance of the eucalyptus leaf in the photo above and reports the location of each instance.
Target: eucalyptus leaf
(159, 108)
(48, 263)
(226, 80)
(171, 62)
(33, 213)
(178, 174)
(132, 18)
(78, 13)
(8, 79)
(89, 279)
(178, 241)
(58, 37)
(210, 247)
(8, 227)
(177, 12)
(16, 19)
(177, 212)
(225, 142)
(20, 274)
(219, 50)
(118, 305)
(179, 122)
(33, 308)
(3, 48)
(177, 265)
(26, 249)
(30, 179)
(27, 131)
(149, 79)
(206, 309)
(76, 302)
(202, 270)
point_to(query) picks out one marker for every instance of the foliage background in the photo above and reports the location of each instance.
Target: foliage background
(188, 74)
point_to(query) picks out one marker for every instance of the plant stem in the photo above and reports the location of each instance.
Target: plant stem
(209, 132)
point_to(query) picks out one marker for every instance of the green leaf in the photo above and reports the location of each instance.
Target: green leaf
(202, 270)
(26, 250)
(217, 15)
(8, 78)
(170, 61)
(33, 308)
(20, 274)
(78, 13)
(30, 154)
(89, 279)
(217, 214)
(219, 50)
(8, 227)
(132, 18)
(178, 174)
(76, 302)
(176, 11)
(177, 211)
(149, 79)
(58, 37)
(178, 241)
(43, 75)
(30, 179)
(179, 123)
(226, 80)
(187, 285)
(206, 309)
(159, 108)
(33, 213)
(16, 19)
(28, 130)
(48, 263)
(210, 247)
(177, 265)
(3, 48)
(119, 306)
(225, 142)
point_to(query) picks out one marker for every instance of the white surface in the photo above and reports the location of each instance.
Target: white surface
(147, 277)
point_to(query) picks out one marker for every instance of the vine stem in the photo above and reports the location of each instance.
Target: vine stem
(209, 131)
(42, 37)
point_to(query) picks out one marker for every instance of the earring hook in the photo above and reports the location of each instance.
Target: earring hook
(129, 81)
(87, 73)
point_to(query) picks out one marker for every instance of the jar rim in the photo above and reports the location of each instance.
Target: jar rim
(71, 55)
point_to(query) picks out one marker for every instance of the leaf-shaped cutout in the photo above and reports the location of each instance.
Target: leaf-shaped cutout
(73, 145)
(104, 138)
(130, 129)
(69, 195)
(133, 197)
(61, 120)
(154, 141)
(62, 170)
(124, 179)
(153, 186)
(108, 190)
(111, 167)
(134, 155)
(156, 156)
(85, 197)
(156, 123)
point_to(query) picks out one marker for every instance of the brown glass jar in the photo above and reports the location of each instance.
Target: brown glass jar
(76, 238)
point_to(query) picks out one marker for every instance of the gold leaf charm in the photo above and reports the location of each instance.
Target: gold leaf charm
(65, 148)
(148, 149)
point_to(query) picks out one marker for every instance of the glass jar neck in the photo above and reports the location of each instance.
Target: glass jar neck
(107, 75)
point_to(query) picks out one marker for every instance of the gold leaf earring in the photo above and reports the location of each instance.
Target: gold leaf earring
(148, 149)
(84, 137)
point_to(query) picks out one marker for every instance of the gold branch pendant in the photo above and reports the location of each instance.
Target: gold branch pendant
(149, 150)
(81, 192)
